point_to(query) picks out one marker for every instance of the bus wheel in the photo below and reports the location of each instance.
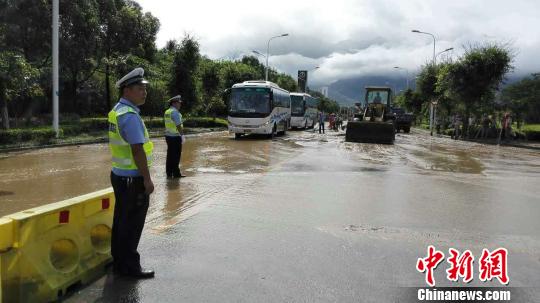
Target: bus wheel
(237, 136)
(273, 134)
(282, 133)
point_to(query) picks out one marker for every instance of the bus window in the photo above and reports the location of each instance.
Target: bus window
(298, 105)
(250, 100)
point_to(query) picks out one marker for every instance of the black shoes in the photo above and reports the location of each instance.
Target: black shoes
(175, 176)
(141, 273)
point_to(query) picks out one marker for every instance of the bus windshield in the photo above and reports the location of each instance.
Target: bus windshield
(250, 100)
(297, 105)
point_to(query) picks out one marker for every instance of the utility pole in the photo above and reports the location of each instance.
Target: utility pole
(55, 16)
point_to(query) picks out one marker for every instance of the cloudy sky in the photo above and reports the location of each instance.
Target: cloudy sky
(349, 38)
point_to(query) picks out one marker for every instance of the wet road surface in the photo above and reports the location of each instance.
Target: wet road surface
(305, 217)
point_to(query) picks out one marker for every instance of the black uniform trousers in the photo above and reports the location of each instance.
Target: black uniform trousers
(128, 222)
(321, 127)
(174, 152)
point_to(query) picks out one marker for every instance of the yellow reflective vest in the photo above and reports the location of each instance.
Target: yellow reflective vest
(170, 125)
(122, 157)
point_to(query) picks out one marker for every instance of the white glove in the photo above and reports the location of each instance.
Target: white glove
(183, 139)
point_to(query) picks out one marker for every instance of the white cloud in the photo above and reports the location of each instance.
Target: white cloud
(349, 38)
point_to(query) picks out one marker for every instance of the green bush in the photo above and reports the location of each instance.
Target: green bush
(424, 126)
(449, 131)
(87, 125)
(13, 136)
(531, 127)
(154, 122)
(532, 135)
(531, 131)
(73, 130)
(94, 124)
(157, 122)
(205, 122)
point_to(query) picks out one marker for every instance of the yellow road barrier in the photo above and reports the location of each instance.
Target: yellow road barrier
(46, 250)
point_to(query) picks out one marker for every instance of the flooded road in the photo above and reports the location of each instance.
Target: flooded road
(304, 217)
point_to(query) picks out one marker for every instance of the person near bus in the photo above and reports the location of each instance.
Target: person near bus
(321, 121)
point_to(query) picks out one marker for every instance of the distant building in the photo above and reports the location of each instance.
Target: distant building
(324, 91)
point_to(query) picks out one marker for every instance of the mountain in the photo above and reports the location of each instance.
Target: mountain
(348, 91)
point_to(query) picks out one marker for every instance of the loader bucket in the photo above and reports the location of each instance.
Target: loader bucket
(370, 132)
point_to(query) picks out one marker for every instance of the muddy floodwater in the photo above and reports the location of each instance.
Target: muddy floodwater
(304, 217)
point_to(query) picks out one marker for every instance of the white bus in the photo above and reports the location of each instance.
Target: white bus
(303, 110)
(259, 107)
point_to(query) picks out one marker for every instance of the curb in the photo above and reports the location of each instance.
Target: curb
(522, 144)
(103, 140)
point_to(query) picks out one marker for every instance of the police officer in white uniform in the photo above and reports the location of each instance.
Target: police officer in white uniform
(131, 151)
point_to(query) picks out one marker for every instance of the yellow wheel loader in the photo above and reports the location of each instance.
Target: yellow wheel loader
(375, 121)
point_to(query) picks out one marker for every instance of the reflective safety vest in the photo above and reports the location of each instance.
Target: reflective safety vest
(122, 157)
(170, 125)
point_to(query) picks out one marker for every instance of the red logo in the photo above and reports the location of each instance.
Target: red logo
(494, 265)
(429, 263)
(491, 265)
(460, 265)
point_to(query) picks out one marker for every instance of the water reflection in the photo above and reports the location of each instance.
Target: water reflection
(120, 290)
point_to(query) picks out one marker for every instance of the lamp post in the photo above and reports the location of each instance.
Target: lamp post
(258, 53)
(55, 26)
(433, 36)
(268, 53)
(407, 71)
(446, 50)
(434, 64)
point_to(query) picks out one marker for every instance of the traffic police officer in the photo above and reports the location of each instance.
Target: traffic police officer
(174, 136)
(131, 151)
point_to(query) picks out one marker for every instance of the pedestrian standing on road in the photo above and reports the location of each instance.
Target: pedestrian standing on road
(470, 126)
(457, 126)
(507, 126)
(438, 125)
(131, 151)
(483, 132)
(321, 122)
(339, 122)
(492, 126)
(174, 136)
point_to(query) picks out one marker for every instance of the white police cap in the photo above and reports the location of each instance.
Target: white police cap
(134, 76)
(175, 98)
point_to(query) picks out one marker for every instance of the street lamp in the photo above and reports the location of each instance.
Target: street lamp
(55, 30)
(258, 53)
(406, 70)
(434, 64)
(425, 33)
(268, 53)
(446, 50)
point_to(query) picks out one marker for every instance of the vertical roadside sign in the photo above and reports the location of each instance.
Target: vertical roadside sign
(302, 80)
